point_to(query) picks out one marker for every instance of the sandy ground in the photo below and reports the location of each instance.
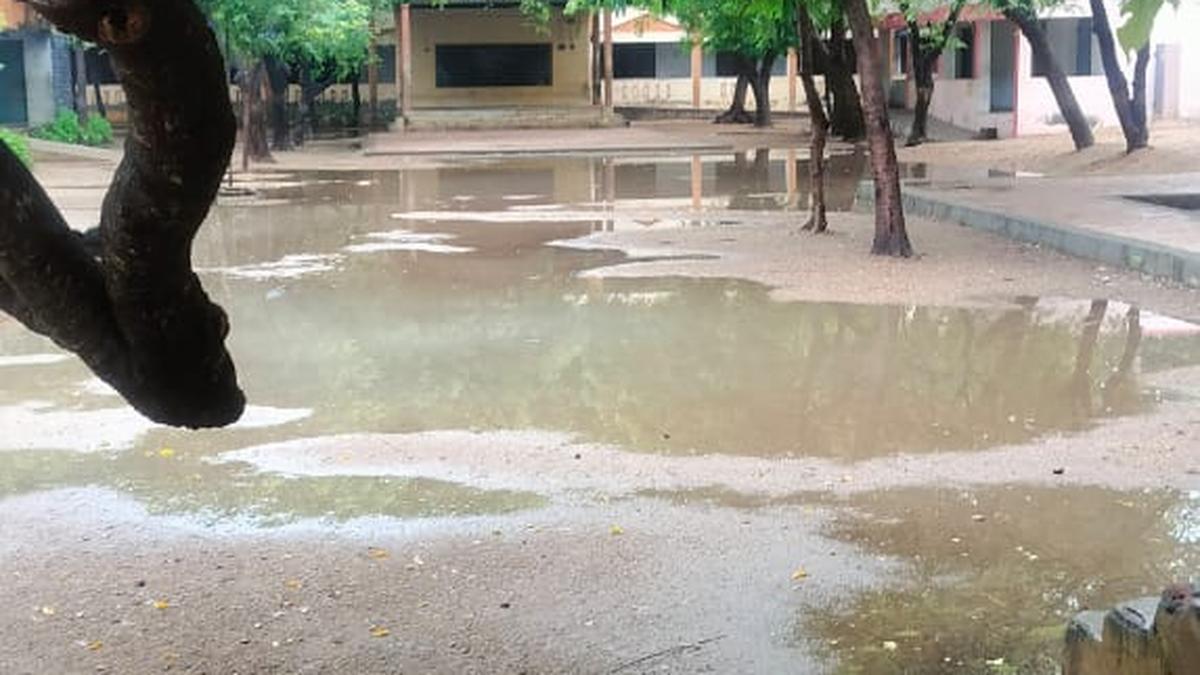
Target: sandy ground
(604, 579)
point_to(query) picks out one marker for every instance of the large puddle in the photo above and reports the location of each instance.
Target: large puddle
(399, 302)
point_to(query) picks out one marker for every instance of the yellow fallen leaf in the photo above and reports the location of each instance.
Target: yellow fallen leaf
(48, 611)
(378, 553)
(799, 574)
(161, 604)
(166, 453)
(95, 646)
(380, 631)
(294, 584)
(616, 530)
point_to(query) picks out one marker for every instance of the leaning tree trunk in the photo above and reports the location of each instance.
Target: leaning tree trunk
(254, 117)
(277, 79)
(922, 62)
(817, 220)
(760, 83)
(79, 82)
(310, 89)
(1060, 86)
(891, 235)
(136, 315)
(1131, 110)
(736, 114)
(847, 118)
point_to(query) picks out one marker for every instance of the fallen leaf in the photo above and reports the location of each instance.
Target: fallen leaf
(799, 574)
(378, 553)
(294, 584)
(48, 611)
(380, 632)
(166, 453)
(95, 646)
(161, 604)
(616, 530)
(890, 646)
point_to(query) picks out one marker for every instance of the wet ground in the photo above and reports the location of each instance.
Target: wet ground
(487, 460)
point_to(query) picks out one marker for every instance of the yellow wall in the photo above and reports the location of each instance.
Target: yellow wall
(570, 48)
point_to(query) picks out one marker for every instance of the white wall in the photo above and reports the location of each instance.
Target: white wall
(1181, 26)
(39, 79)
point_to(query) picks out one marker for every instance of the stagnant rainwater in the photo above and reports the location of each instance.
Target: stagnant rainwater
(445, 299)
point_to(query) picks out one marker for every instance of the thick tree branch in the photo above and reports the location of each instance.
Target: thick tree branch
(139, 316)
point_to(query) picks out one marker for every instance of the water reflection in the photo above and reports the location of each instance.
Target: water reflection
(485, 327)
(996, 574)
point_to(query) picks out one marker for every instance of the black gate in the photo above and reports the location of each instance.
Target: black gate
(12, 82)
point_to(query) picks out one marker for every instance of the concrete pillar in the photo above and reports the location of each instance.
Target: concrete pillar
(697, 74)
(404, 58)
(1167, 78)
(608, 61)
(793, 60)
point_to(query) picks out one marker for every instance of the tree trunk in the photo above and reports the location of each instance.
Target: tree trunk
(277, 77)
(254, 116)
(137, 315)
(356, 102)
(97, 90)
(922, 62)
(1132, 119)
(736, 114)
(847, 118)
(1081, 131)
(310, 89)
(891, 235)
(79, 82)
(819, 123)
(761, 84)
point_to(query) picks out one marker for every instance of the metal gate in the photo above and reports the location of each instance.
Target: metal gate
(13, 109)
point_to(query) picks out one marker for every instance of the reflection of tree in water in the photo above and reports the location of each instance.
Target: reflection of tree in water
(999, 590)
(668, 366)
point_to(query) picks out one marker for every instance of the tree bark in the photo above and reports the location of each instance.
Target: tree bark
(79, 83)
(137, 315)
(356, 107)
(761, 85)
(847, 112)
(1060, 86)
(97, 89)
(373, 78)
(310, 88)
(736, 114)
(891, 235)
(254, 116)
(1131, 110)
(277, 78)
(818, 121)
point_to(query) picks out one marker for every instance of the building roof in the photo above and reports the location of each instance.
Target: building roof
(646, 24)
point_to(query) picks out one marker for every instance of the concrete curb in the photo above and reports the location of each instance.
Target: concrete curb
(80, 151)
(1160, 261)
(636, 150)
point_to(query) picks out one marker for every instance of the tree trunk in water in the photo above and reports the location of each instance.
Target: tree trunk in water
(254, 117)
(277, 76)
(736, 114)
(922, 63)
(1132, 119)
(817, 220)
(761, 84)
(79, 85)
(847, 118)
(1081, 131)
(891, 235)
(136, 314)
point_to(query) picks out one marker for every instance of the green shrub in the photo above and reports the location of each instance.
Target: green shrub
(17, 143)
(66, 129)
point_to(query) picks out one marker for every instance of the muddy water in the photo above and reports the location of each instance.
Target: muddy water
(429, 299)
(995, 574)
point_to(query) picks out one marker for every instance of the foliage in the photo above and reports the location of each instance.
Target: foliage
(17, 144)
(65, 128)
(1139, 21)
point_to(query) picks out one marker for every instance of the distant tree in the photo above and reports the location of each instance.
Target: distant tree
(891, 233)
(818, 121)
(1024, 14)
(928, 37)
(1135, 37)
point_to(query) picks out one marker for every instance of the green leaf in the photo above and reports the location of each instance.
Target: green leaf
(1139, 21)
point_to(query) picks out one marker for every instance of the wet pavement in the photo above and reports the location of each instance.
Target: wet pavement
(420, 347)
